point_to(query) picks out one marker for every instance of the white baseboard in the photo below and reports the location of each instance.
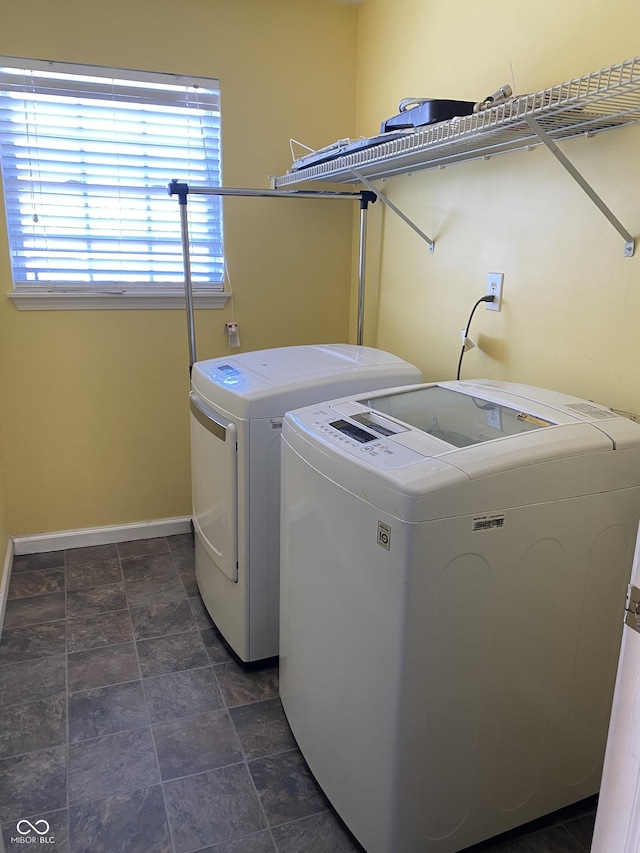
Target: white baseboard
(4, 584)
(64, 539)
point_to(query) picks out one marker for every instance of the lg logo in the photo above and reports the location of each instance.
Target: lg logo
(384, 535)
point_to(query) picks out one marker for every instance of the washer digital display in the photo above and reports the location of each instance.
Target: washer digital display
(353, 431)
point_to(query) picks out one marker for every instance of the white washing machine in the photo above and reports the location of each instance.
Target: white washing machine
(454, 566)
(237, 405)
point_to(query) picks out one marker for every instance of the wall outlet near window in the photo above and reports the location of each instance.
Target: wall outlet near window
(232, 331)
(494, 288)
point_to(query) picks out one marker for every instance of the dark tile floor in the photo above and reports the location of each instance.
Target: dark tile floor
(126, 725)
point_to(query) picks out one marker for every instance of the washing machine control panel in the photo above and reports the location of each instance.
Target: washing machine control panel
(346, 434)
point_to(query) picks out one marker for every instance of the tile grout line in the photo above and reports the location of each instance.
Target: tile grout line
(69, 803)
(245, 759)
(148, 712)
(245, 762)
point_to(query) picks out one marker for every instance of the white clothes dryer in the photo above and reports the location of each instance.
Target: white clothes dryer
(454, 566)
(237, 405)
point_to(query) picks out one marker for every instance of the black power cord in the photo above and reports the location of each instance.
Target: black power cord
(489, 298)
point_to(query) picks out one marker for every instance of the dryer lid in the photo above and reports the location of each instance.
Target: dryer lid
(267, 383)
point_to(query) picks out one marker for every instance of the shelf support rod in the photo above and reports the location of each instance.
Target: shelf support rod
(395, 209)
(366, 199)
(181, 190)
(629, 242)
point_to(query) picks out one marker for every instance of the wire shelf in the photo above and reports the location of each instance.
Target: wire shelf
(590, 104)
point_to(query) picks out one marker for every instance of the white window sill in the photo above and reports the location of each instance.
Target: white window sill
(70, 301)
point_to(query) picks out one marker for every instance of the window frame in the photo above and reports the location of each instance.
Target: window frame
(86, 295)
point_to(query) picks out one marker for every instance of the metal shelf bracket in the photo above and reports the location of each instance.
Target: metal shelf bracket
(629, 244)
(361, 178)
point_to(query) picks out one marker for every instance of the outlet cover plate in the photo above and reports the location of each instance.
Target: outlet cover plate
(494, 288)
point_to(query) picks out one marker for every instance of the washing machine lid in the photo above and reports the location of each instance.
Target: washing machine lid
(463, 414)
(457, 419)
(267, 383)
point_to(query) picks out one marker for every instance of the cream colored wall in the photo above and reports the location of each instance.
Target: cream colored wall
(4, 530)
(571, 299)
(4, 536)
(95, 412)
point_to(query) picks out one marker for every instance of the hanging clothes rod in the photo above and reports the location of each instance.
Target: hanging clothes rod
(260, 193)
(183, 190)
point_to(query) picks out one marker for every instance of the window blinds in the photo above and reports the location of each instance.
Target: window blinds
(87, 155)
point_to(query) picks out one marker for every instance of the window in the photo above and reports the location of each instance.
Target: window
(87, 155)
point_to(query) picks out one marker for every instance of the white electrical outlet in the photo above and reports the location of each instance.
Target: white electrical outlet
(494, 288)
